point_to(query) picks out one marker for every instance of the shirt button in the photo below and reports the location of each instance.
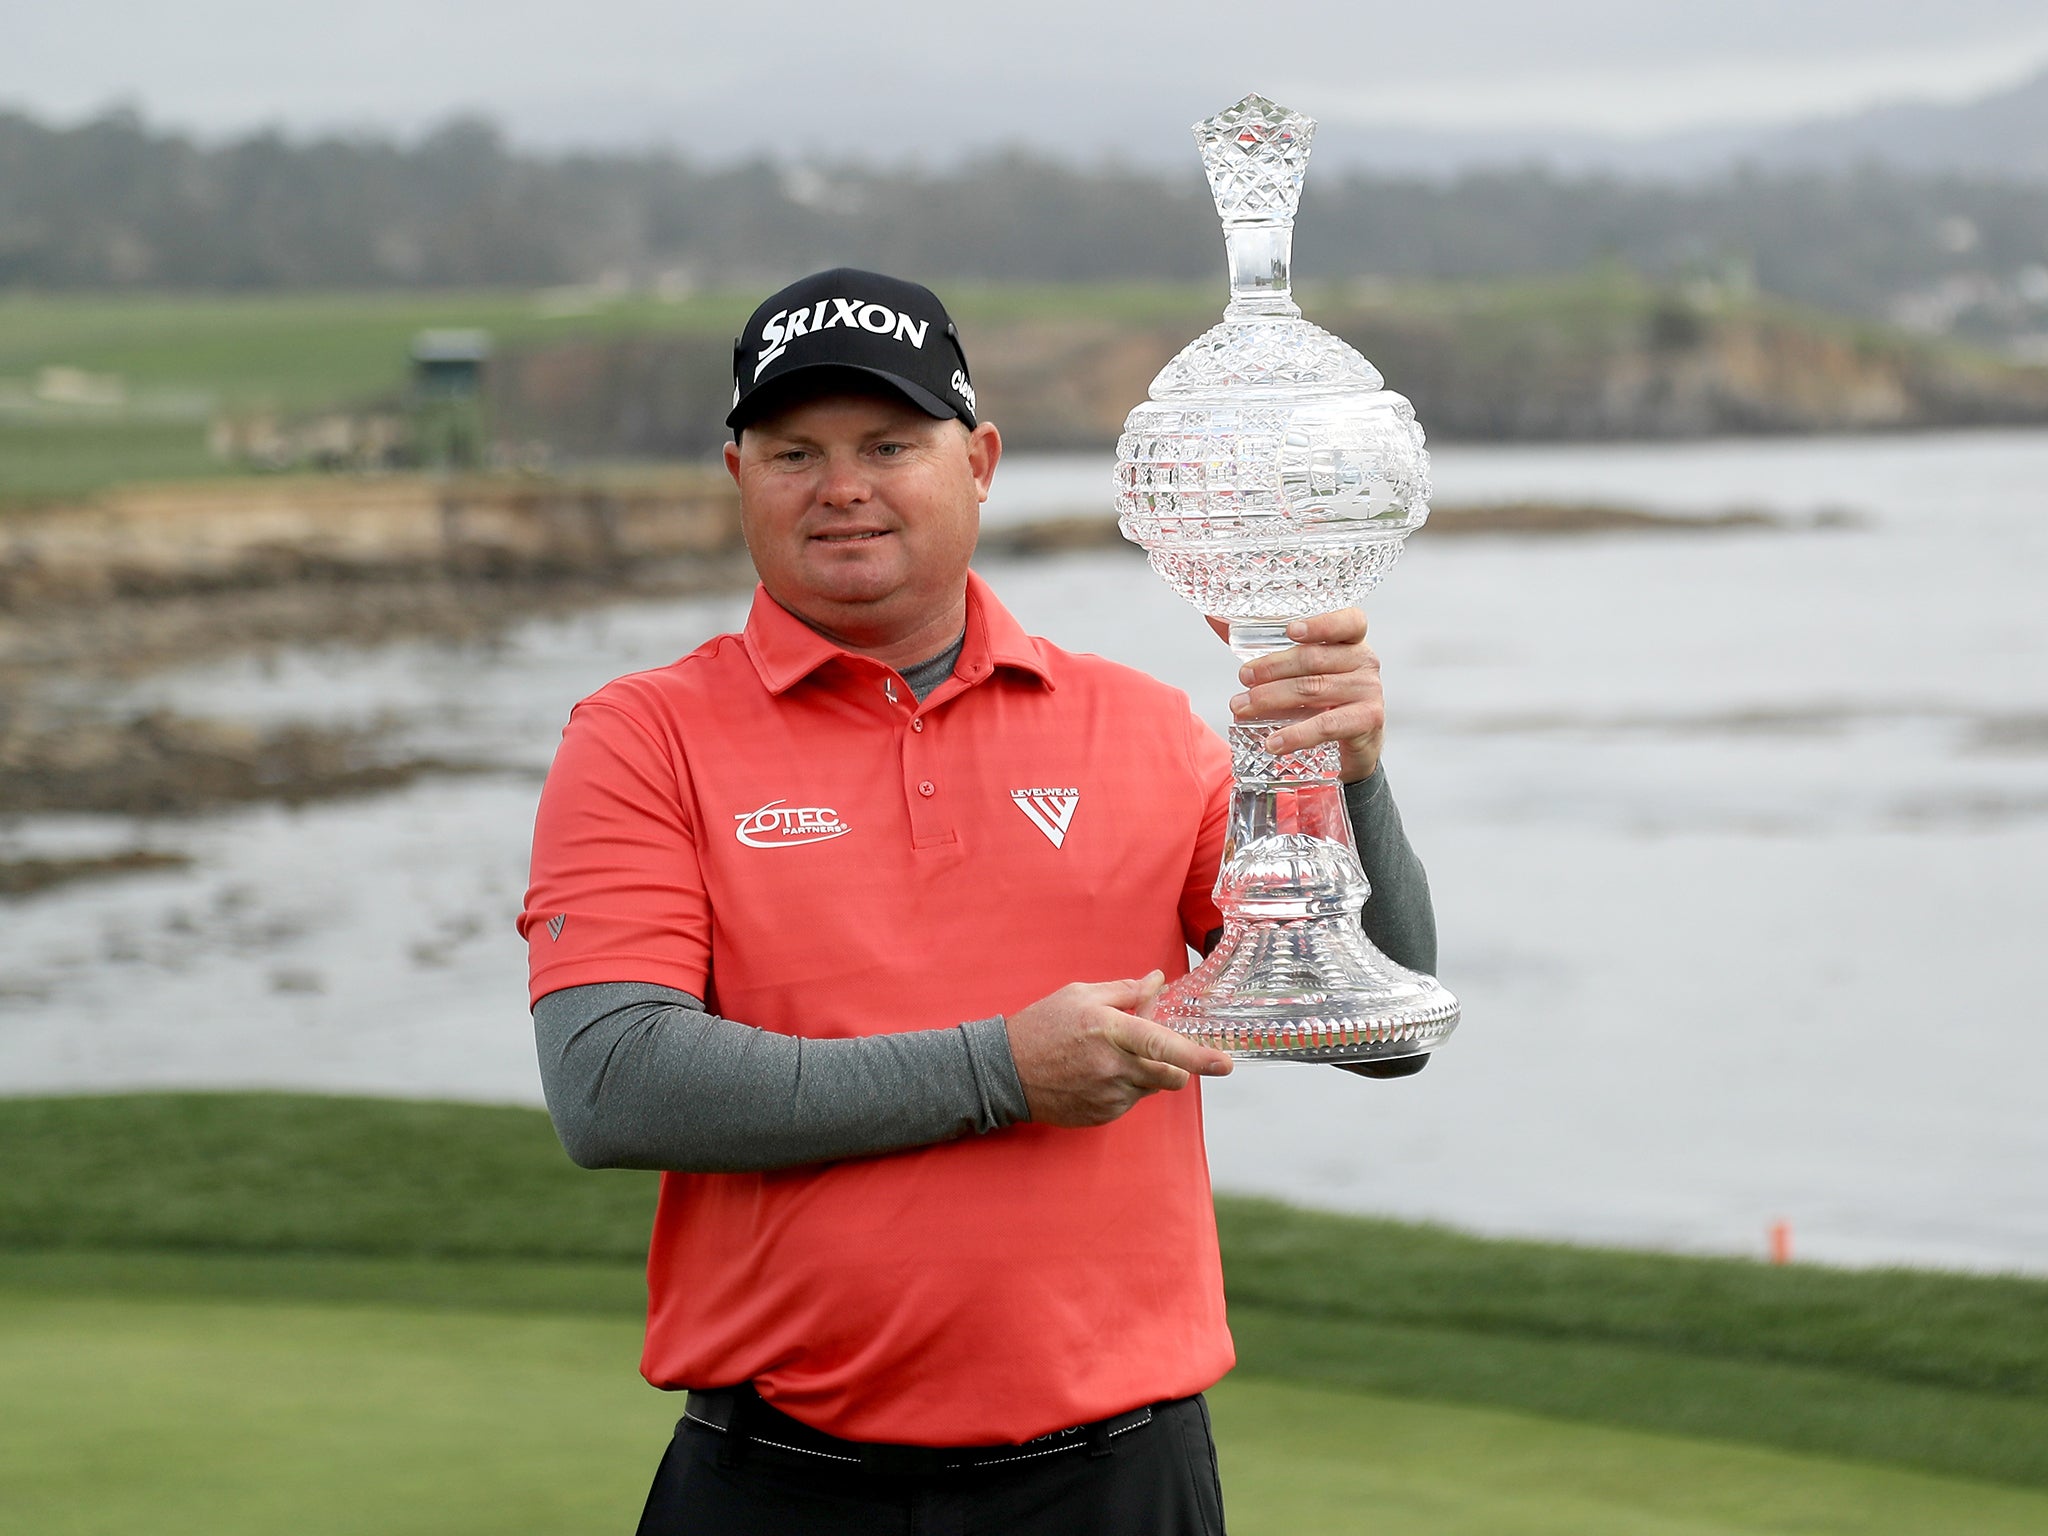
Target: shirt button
(917, 724)
(927, 789)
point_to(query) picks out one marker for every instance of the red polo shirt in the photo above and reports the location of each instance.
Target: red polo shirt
(782, 829)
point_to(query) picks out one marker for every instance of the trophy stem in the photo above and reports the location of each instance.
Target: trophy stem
(1253, 638)
(1261, 256)
(1294, 977)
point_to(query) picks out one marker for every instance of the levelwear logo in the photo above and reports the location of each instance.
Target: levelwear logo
(776, 825)
(1050, 810)
(783, 326)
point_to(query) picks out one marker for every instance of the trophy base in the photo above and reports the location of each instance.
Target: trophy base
(1309, 989)
(1397, 1066)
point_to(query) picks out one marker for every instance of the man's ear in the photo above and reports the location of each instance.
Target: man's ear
(732, 461)
(984, 452)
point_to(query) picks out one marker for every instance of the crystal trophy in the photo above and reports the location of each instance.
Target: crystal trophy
(1270, 477)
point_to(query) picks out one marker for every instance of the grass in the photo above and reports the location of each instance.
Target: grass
(295, 355)
(298, 1173)
(1296, 1460)
(55, 461)
(281, 1200)
(301, 352)
(298, 354)
(307, 1174)
(1976, 1333)
(179, 1416)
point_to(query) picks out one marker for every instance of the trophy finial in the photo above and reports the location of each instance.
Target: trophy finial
(1255, 154)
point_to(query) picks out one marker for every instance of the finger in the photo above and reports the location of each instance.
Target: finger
(1150, 1002)
(1129, 994)
(1299, 697)
(1154, 1042)
(1156, 1076)
(1355, 722)
(1342, 626)
(1304, 660)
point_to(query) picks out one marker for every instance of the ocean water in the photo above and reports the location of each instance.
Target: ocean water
(1739, 840)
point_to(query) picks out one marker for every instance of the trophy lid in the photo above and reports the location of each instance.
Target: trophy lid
(1255, 154)
(1270, 475)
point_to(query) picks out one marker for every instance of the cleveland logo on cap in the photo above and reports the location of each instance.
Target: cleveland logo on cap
(784, 326)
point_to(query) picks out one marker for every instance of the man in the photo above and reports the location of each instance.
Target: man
(916, 1273)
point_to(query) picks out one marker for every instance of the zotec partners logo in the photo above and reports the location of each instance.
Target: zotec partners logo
(776, 825)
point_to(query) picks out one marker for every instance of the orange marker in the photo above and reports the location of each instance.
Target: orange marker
(1781, 1242)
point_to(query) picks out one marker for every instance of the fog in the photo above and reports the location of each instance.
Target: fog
(898, 79)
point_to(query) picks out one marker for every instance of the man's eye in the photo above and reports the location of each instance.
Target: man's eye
(891, 450)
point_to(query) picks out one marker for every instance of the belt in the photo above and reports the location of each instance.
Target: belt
(740, 1414)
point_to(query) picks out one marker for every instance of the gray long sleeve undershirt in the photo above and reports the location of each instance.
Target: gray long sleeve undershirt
(641, 1076)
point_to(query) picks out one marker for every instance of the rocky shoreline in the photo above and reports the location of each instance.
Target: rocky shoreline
(1587, 365)
(154, 576)
(158, 577)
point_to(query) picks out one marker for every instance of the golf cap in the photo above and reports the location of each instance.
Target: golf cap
(856, 322)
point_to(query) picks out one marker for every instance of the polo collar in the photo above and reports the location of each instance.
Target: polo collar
(785, 650)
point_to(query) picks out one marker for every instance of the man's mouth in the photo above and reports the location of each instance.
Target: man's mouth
(850, 538)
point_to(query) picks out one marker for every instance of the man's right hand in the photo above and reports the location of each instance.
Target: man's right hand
(1085, 1055)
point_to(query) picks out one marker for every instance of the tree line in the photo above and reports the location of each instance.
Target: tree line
(113, 204)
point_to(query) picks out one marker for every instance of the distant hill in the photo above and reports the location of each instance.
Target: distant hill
(2000, 135)
(2003, 135)
(115, 204)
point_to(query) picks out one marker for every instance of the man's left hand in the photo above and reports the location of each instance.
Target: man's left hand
(1324, 687)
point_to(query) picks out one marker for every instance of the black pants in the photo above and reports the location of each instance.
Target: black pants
(1158, 1480)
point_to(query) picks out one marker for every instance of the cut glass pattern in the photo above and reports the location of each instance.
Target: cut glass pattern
(1271, 476)
(1255, 154)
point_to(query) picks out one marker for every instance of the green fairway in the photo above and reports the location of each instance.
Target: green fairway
(178, 360)
(293, 354)
(417, 1312)
(223, 1417)
(49, 461)
(301, 351)
(1297, 1461)
(177, 1417)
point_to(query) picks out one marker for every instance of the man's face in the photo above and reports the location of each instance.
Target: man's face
(860, 512)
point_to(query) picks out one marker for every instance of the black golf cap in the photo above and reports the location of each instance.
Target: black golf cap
(857, 322)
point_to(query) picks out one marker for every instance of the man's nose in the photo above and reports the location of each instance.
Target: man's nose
(845, 482)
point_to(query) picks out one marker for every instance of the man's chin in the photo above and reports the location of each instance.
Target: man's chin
(850, 578)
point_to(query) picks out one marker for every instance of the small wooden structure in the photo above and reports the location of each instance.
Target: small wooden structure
(449, 416)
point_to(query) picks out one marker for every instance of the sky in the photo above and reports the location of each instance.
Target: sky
(887, 80)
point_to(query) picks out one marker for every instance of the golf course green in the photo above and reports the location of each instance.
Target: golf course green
(237, 1313)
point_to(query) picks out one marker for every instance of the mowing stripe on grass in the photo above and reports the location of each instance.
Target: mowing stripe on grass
(188, 1418)
(305, 1173)
(1302, 1462)
(1790, 1407)
(609, 1290)
(468, 1207)
(1835, 1413)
